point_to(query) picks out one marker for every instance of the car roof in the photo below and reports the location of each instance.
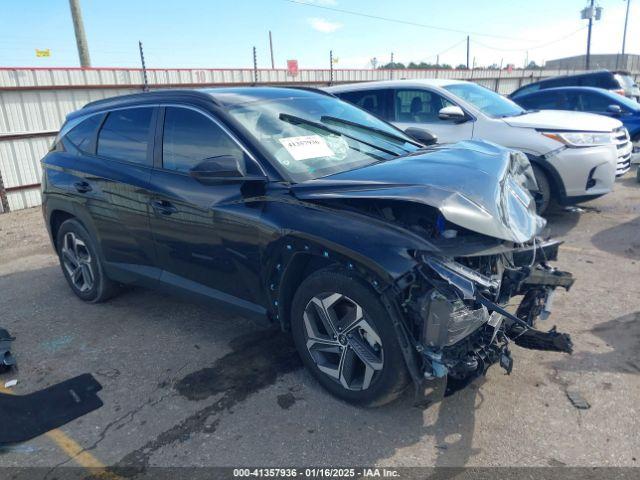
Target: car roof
(220, 96)
(569, 88)
(408, 82)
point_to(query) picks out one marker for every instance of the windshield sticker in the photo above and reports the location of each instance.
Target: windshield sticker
(306, 146)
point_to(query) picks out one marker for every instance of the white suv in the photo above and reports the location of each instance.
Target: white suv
(574, 154)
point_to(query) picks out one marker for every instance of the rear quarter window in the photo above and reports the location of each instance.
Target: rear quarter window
(82, 136)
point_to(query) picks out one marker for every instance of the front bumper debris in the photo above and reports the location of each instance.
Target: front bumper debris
(464, 327)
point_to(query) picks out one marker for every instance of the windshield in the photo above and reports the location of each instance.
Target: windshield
(490, 103)
(312, 136)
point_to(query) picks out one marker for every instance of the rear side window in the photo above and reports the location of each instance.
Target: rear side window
(189, 137)
(600, 80)
(83, 134)
(376, 102)
(125, 135)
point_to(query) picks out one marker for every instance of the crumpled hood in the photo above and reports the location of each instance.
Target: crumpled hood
(475, 184)
(564, 120)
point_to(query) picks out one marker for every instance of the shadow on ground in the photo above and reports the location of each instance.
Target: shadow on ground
(621, 337)
(622, 240)
(141, 341)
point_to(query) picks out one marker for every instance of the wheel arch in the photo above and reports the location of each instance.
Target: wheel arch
(558, 191)
(56, 219)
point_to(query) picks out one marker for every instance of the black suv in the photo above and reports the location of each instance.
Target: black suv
(618, 82)
(388, 261)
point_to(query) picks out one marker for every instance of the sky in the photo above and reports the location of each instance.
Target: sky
(222, 33)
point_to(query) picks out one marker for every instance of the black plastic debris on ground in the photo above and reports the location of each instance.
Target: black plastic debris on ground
(578, 400)
(24, 417)
(6, 359)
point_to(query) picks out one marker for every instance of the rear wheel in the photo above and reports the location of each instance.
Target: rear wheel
(542, 204)
(346, 339)
(81, 265)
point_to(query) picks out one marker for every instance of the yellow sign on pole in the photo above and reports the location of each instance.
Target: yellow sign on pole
(43, 53)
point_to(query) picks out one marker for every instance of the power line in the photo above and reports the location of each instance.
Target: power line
(404, 22)
(529, 48)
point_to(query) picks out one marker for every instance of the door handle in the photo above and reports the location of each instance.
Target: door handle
(163, 207)
(82, 187)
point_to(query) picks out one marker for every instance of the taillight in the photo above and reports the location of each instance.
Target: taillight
(619, 92)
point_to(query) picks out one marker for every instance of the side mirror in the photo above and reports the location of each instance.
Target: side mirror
(213, 170)
(422, 136)
(614, 109)
(452, 112)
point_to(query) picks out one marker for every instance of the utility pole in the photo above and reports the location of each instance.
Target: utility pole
(589, 35)
(271, 50)
(392, 67)
(145, 87)
(624, 35)
(590, 13)
(467, 52)
(438, 61)
(81, 38)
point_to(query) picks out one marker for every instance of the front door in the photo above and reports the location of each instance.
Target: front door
(206, 236)
(417, 107)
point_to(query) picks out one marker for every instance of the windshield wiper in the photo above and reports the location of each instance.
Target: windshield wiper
(367, 127)
(285, 117)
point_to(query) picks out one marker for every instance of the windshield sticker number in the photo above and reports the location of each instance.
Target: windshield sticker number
(306, 146)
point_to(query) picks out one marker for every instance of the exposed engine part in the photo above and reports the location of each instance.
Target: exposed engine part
(6, 359)
(551, 341)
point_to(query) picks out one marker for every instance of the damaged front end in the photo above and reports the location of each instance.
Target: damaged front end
(467, 213)
(458, 319)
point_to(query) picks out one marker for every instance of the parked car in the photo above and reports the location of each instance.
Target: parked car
(574, 155)
(592, 100)
(620, 82)
(388, 261)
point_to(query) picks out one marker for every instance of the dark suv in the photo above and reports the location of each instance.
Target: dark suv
(388, 261)
(617, 82)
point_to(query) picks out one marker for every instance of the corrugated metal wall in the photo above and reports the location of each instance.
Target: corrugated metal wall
(35, 101)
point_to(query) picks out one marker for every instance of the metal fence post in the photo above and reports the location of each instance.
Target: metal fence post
(4, 202)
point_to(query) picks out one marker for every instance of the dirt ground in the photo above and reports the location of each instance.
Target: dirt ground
(184, 385)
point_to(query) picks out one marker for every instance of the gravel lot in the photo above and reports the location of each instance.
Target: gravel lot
(186, 386)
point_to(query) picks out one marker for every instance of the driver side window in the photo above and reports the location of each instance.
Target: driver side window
(189, 137)
(419, 106)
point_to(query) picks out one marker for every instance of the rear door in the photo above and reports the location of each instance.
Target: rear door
(206, 236)
(112, 189)
(417, 107)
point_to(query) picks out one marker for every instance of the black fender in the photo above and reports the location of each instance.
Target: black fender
(380, 252)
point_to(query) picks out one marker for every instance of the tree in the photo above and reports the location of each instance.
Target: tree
(461, 66)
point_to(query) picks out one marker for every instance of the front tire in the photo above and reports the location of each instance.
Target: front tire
(545, 190)
(346, 339)
(81, 265)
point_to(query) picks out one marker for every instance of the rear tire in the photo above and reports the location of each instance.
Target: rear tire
(81, 265)
(346, 339)
(545, 190)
